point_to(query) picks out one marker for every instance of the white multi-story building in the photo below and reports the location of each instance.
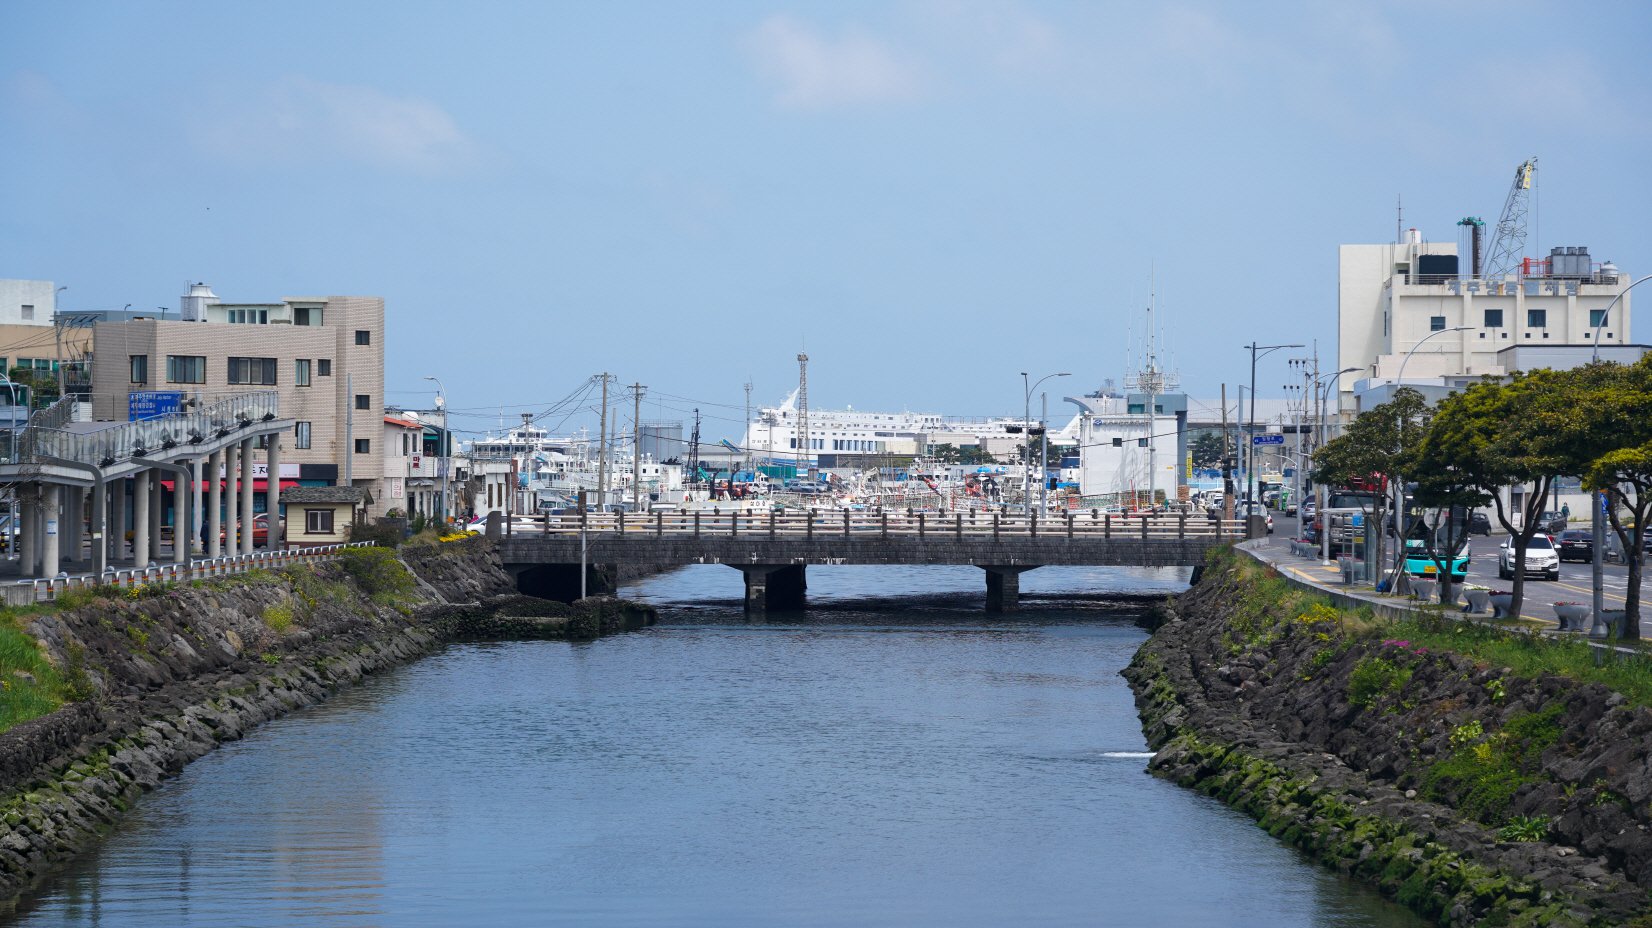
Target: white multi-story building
(1392, 297)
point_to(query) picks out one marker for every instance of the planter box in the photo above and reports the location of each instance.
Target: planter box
(1572, 616)
(1478, 601)
(1500, 603)
(1423, 589)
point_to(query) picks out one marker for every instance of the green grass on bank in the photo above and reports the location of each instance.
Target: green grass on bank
(29, 685)
(1525, 652)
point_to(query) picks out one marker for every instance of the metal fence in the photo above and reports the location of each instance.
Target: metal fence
(27, 592)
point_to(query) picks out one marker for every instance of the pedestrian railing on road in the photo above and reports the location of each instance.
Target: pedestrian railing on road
(1071, 526)
(27, 592)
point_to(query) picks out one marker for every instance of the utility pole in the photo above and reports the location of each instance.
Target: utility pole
(602, 447)
(636, 448)
(803, 448)
(746, 441)
(1227, 461)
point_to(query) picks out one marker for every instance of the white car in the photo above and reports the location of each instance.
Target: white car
(1252, 509)
(1541, 558)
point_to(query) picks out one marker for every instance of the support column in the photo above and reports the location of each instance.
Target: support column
(100, 530)
(246, 497)
(54, 511)
(275, 539)
(181, 518)
(117, 508)
(140, 517)
(1004, 587)
(157, 516)
(28, 549)
(195, 545)
(69, 527)
(776, 587)
(214, 505)
(232, 476)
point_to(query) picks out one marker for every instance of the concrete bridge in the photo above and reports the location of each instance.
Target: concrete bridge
(773, 549)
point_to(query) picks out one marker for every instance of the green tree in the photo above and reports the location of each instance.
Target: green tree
(1440, 486)
(1613, 419)
(1207, 449)
(1522, 431)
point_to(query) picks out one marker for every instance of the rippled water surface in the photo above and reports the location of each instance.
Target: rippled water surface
(892, 757)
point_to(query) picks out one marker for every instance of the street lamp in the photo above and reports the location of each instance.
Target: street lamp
(1026, 430)
(441, 458)
(1596, 355)
(1319, 488)
(1256, 351)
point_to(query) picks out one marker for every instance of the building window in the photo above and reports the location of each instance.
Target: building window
(364, 337)
(1537, 318)
(1141, 442)
(249, 316)
(301, 434)
(259, 371)
(28, 313)
(364, 446)
(307, 315)
(140, 367)
(1597, 318)
(318, 521)
(301, 371)
(1494, 318)
(1436, 323)
(324, 367)
(363, 401)
(185, 368)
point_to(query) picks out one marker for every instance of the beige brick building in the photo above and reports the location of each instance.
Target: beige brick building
(324, 356)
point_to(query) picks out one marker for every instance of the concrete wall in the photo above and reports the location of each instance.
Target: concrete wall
(41, 295)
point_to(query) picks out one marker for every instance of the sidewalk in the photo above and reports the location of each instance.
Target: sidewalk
(1329, 579)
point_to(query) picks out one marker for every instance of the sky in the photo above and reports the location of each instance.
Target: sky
(927, 197)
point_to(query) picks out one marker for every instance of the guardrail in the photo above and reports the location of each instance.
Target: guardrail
(844, 523)
(27, 592)
(46, 437)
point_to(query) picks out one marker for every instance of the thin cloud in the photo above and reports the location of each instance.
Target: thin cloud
(300, 119)
(813, 70)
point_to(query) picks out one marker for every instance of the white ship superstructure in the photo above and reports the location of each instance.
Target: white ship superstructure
(771, 437)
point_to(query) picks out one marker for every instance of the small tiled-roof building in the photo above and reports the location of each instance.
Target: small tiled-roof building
(320, 515)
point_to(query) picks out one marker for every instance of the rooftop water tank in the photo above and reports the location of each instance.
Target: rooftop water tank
(194, 304)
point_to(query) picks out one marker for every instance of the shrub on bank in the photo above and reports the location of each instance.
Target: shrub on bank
(29, 685)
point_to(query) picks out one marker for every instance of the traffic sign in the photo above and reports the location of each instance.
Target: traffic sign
(1267, 439)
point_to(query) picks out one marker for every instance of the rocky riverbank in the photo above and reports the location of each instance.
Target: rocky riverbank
(162, 675)
(1468, 791)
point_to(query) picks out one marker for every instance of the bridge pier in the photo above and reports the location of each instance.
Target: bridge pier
(1004, 586)
(773, 586)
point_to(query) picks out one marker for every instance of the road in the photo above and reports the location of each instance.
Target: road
(1574, 584)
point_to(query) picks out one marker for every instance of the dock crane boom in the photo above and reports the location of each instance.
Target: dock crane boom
(1508, 241)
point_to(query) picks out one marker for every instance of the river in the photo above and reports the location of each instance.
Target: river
(893, 757)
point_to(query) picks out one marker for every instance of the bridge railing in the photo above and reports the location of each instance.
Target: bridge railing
(940, 526)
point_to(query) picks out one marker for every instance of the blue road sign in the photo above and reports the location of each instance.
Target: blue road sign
(1267, 439)
(147, 404)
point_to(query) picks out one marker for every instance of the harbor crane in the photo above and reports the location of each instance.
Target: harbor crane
(1508, 240)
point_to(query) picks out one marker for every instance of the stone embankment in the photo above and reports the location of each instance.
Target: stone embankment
(1468, 792)
(164, 675)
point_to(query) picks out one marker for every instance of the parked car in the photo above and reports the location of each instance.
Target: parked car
(1576, 544)
(1479, 523)
(1252, 509)
(1551, 522)
(1309, 510)
(260, 530)
(1541, 558)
